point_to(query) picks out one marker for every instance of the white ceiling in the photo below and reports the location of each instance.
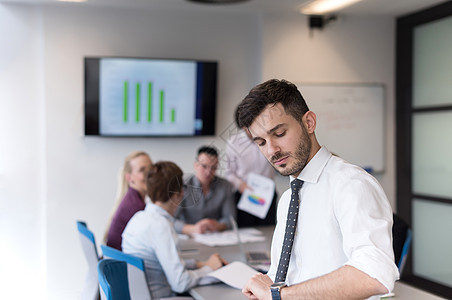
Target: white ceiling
(365, 7)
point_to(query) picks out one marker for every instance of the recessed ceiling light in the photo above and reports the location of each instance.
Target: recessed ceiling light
(217, 1)
(320, 7)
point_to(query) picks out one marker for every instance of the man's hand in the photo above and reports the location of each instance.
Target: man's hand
(258, 287)
(209, 225)
(243, 186)
(204, 226)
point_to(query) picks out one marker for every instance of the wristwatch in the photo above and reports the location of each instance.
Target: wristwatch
(275, 289)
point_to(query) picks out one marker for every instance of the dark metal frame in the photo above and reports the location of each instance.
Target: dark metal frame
(404, 114)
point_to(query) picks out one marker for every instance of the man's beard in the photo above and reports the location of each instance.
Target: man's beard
(301, 156)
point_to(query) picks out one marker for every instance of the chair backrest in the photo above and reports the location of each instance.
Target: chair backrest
(91, 286)
(113, 280)
(405, 250)
(138, 285)
(402, 235)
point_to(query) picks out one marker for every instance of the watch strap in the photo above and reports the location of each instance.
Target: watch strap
(275, 294)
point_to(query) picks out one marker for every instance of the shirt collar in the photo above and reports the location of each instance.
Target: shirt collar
(311, 172)
(197, 183)
(157, 209)
(195, 180)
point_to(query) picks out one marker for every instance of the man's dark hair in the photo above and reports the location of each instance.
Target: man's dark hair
(236, 117)
(271, 92)
(208, 150)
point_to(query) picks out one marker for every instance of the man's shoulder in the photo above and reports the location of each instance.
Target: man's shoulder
(238, 137)
(344, 173)
(191, 181)
(339, 165)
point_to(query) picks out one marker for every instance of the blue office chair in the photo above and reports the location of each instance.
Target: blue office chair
(402, 237)
(113, 280)
(401, 242)
(405, 250)
(138, 286)
(91, 286)
(136, 274)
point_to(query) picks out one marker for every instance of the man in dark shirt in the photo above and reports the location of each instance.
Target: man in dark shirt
(208, 199)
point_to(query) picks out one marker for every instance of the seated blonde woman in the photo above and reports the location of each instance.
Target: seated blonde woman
(150, 235)
(131, 194)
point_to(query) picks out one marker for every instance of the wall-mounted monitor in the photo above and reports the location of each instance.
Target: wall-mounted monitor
(149, 97)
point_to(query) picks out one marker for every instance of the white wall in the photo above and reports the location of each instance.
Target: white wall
(51, 175)
(349, 50)
(82, 170)
(22, 157)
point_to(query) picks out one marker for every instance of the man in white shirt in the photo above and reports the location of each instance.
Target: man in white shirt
(342, 245)
(244, 157)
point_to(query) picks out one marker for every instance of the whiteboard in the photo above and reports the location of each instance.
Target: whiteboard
(350, 121)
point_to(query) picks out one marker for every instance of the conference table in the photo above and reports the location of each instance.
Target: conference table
(220, 291)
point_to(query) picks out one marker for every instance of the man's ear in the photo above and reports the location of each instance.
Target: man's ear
(310, 121)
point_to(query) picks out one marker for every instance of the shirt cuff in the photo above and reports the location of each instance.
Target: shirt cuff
(190, 263)
(205, 270)
(178, 225)
(376, 265)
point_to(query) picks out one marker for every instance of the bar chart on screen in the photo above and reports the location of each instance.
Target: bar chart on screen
(152, 98)
(136, 104)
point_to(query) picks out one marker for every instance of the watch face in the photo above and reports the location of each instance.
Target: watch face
(278, 285)
(275, 290)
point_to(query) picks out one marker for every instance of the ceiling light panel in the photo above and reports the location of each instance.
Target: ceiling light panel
(321, 7)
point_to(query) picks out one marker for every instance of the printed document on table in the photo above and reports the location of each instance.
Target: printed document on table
(229, 237)
(257, 200)
(235, 274)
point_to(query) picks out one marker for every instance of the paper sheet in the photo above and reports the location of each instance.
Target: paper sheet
(258, 200)
(235, 274)
(229, 237)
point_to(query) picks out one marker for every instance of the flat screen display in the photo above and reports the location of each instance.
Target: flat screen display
(149, 97)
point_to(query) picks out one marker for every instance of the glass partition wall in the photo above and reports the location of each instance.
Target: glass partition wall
(424, 144)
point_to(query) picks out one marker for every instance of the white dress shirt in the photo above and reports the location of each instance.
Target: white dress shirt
(150, 235)
(344, 219)
(244, 157)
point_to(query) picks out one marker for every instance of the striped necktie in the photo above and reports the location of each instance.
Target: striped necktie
(291, 225)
